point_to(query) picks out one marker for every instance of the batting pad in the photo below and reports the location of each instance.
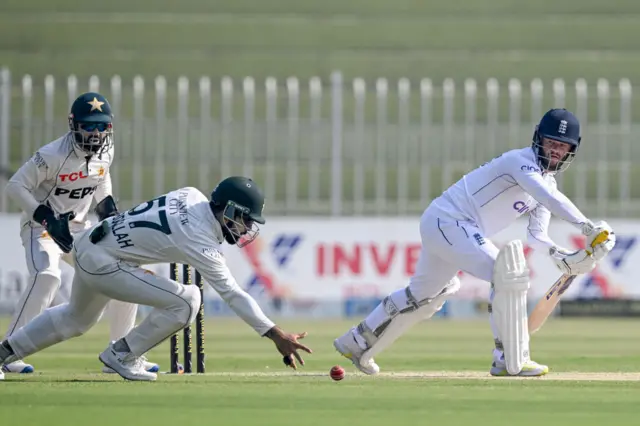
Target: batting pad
(510, 283)
(404, 321)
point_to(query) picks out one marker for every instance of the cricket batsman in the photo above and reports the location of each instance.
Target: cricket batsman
(455, 231)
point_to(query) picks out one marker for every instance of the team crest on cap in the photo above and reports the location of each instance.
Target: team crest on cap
(562, 128)
(96, 104)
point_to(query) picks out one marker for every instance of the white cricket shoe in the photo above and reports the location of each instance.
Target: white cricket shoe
(126, 364)
(18, 367)
(530, 369)
(349, 348)
(1, 375)
(150, 367)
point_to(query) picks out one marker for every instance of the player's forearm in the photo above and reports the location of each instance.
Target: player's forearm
(529, 179)
(564, 208)
(538, 229)
(248, 309)
(557, 203)
(539, 240)
(22, 196)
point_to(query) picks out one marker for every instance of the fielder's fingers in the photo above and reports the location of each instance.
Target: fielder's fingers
(298, 357)
(293, 363)
(303, 347)
(301, 335)
(289, 361)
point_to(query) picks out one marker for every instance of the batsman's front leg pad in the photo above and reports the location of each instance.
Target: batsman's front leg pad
(401, 317)
(509, 307)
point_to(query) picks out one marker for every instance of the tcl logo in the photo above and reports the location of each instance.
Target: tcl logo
(72, 177)
(76, 194)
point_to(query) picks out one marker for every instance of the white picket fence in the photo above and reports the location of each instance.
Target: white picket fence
(330, 148)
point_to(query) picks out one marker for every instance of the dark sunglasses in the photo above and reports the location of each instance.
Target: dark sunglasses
(90, 127)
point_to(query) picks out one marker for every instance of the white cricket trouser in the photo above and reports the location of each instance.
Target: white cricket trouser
(450, 246)
(43, 262)
(99, 278)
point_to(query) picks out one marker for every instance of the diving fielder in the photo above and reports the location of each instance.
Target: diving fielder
(182, 226)
(55, 189)
(455, 231)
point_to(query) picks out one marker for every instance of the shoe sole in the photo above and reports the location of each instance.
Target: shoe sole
(26, 370)
(126, 378)
(109, 370)
(500, 372)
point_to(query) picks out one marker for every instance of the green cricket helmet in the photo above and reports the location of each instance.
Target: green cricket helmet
(241, 203)
(91, 123)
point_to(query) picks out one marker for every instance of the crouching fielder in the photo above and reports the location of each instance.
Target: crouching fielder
(182, 226)
(454, 230)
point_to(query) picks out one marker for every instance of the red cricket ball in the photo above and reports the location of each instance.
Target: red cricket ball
(337, 373)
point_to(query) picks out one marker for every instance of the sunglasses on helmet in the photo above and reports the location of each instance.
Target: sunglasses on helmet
(90, 127)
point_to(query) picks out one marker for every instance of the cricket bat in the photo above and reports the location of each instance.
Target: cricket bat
(547, 304)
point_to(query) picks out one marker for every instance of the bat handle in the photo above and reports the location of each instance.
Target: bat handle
(599, 239)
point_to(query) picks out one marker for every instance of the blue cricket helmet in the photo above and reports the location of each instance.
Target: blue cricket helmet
(560, 125)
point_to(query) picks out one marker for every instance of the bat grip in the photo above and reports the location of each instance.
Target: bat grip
(599, 239)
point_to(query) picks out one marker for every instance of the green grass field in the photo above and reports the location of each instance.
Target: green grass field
(437, 373)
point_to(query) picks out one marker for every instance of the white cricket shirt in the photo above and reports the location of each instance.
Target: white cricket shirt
(180, 227)
(64, 177)
(495, 194)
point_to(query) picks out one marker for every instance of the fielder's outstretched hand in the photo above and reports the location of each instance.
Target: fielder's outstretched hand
(288, 345)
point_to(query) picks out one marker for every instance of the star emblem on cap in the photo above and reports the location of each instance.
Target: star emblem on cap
(96, 104)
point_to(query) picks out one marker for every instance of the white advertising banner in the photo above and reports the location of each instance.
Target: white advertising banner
(306, 262)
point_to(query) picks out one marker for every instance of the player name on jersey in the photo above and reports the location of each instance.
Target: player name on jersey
(117, 229)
